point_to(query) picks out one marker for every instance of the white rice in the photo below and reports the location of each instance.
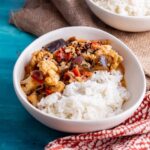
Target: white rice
(126, 7)
(100, 97)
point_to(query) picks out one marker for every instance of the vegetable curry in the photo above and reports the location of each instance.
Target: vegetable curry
(62, 62)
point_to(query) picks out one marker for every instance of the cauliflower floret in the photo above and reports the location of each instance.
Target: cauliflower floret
(49, 68)
(88, 56)
(33, 98)
(29, 84)
(46, 66)
(39, 56)
(117, 59)
(52, 80)
(59, 87)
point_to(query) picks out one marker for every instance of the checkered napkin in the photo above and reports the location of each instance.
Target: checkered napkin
(133, 134)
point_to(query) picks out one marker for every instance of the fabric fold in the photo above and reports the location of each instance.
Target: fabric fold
(38, 17)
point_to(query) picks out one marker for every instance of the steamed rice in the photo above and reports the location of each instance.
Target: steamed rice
(100, 97)
(126, 7)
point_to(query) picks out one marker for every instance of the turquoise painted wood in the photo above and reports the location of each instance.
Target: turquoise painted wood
(18, 130)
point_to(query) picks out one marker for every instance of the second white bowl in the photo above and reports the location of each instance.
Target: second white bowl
(125, 23)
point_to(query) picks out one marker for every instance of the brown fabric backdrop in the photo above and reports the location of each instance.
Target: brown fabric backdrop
(41, 16)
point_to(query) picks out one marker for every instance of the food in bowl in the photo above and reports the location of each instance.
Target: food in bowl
(76, 79)
(126, 7)
(134, 76)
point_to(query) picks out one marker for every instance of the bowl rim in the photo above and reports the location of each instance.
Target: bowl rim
(119, 15)
(21, 97)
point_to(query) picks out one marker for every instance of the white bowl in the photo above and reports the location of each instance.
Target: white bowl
(125, 23)
(134, 76)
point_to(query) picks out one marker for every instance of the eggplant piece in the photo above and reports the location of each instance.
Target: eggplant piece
(78, 60)
(55, 45)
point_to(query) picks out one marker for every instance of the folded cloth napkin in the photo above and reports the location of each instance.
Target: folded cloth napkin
(40, 16)
(133, 134)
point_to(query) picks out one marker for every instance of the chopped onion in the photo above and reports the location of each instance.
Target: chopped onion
(37, 75)
(78, 60)
(103, 61)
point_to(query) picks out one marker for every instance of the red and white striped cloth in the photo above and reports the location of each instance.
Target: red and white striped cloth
(133, 134)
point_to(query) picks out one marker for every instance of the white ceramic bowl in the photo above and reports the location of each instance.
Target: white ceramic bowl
(125, 23)
(133, 74)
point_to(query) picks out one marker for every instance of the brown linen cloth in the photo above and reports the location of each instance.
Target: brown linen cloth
(40, 16)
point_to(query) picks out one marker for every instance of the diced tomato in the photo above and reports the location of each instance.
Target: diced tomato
(48, 91)
(76, 71)
(66, 76)
(87, 73)
(94, 45)
(59, 55)
(68, 56)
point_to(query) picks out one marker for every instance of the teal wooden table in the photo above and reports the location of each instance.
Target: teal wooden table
(18, 130)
